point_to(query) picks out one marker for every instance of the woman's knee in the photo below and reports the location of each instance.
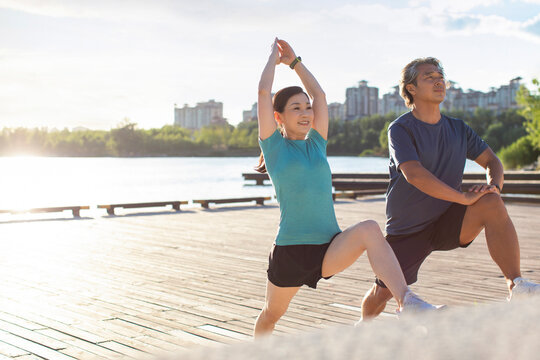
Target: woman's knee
(368, 228)
(369, 233)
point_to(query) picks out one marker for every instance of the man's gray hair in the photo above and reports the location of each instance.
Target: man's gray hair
(409, 74)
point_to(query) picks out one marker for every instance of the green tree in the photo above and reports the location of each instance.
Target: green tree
(521, 152)
(128, 141)
(215, 136)
(531, 110)
(526, 149)
(245, 135)
(383, 138)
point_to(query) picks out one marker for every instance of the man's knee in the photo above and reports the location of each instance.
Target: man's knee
(491, 201)
(489, 205)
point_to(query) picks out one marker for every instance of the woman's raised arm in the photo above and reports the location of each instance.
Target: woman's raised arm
(315, 91)
(265, 110)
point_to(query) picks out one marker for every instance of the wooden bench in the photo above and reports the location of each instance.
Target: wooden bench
(110, 208)
(258, 177)
(206, 202)
(344, 185)
(356, 194)
(521, 199)
(74, 209)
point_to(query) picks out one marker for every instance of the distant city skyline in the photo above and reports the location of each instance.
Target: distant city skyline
(203, 114)
(364, 100)
(92, 64)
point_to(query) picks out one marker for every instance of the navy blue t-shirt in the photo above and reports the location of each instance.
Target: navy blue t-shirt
(442, 149)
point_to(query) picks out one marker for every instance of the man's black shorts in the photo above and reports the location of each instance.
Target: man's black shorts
(297, 265)
(412, 249)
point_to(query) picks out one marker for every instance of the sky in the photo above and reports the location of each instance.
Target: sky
(73, 63)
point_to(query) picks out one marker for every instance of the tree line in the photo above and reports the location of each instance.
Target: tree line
(127, 140)
(513, 134)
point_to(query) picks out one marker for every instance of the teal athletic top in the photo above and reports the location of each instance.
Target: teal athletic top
(302, 180)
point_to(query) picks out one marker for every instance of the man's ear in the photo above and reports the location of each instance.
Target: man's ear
(411, 89)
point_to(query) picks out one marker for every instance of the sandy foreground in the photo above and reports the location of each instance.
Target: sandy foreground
(494, 331)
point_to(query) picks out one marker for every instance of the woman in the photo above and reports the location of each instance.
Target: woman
(309, 244)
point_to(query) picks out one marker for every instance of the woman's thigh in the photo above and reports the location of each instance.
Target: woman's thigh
(347, 247)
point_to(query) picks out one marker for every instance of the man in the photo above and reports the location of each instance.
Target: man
(425, 209)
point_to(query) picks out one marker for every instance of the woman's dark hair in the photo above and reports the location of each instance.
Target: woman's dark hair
(279, 101)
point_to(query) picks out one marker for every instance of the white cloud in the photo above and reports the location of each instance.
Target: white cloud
(454, 5)
(137, 58)
(103, 9)
(440, 18)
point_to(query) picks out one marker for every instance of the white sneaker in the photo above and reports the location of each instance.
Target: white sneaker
(413, 304)
(524, 288)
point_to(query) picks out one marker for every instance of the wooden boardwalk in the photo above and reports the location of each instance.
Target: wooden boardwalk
(121, 287)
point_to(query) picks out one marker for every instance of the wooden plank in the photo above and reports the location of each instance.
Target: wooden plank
(33, 348)
(123, 286)
(80, 348)
(7, 350)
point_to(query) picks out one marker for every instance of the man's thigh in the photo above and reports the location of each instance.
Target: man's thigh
(476, 214)
(448, 228)
(444, 234)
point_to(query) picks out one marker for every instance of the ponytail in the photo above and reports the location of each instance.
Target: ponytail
(262, 164)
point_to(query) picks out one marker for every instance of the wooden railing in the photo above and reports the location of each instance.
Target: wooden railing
(508, 176)
(354, 185)
(510, 187)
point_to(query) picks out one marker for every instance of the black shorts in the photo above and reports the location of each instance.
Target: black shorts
(297, 265)
(412, 249)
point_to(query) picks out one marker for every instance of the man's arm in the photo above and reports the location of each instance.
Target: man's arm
(425, 181)
(494, 168)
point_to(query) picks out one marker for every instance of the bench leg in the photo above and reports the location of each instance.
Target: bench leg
(205, 205)
(176, 206)
(110, 211)
(76, 213)
(260, 202)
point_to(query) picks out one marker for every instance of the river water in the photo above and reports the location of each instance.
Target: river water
(48, 181)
